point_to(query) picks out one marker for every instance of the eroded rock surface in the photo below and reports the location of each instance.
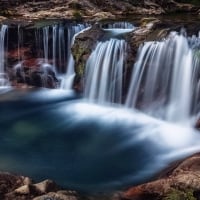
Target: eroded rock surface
(183, 179)
(90, 8)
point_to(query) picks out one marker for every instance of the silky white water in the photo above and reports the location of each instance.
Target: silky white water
(87, 138)
(68, 79)
(4, 80)
(163, 79)
(104, 72)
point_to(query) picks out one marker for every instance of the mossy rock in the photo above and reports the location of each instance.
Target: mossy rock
(176, 194)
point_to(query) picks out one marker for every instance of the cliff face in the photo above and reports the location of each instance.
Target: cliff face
(94, 9)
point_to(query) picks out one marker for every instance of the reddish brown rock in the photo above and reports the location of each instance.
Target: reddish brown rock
(184, 176)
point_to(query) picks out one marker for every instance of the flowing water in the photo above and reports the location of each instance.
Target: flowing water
(67, 81)
(89, 147)
(4, 82)
(165, 77)
(95, 143)
(53, 51)
(104, 71)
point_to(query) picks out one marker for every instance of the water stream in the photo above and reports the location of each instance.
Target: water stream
(165, 78)
(89, 147)
(4, 81)
(104, 71)
(96, 143)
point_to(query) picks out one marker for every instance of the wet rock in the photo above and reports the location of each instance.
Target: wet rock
(23, 190)
(149, 29)
(34, 72)
(9, 182)
(2, 18)
(46, 186)
(182, 179)
(81, 50)
(60, 195)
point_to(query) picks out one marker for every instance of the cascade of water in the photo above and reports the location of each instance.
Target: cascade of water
(162, 78)
(39, 42)
(46, 43)
(73, 31)
(121, 25)
(54, 44)
(181, 91)
(104, 71)
(3, 77)
(20, 43)
(118, 28)
(62, 48)
(117, 25)
(61, 45)
(56, 41)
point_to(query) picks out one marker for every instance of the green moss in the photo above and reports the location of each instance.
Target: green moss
(197, 55)
(175, 194)
(79, 53)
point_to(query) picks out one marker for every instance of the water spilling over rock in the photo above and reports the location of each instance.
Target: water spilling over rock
(40, 46)
(165, 77)
(104, 71)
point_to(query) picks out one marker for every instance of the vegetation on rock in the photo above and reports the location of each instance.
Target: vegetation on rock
(175, 194)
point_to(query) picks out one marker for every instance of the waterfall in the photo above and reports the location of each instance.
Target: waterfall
(118, 29)
(104, 71)
(20, 43)
(3, 77)
(46, 43)
(119, 25)
(55, 42)
(73, 31)
(163, 78)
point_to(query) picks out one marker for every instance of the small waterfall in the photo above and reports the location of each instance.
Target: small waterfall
(117, 29)
(46, 43)
(54, 45)
(119, 25)
(20, 43)
(104, 71)
(3, 76)
(67, 81)
(163, 78)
